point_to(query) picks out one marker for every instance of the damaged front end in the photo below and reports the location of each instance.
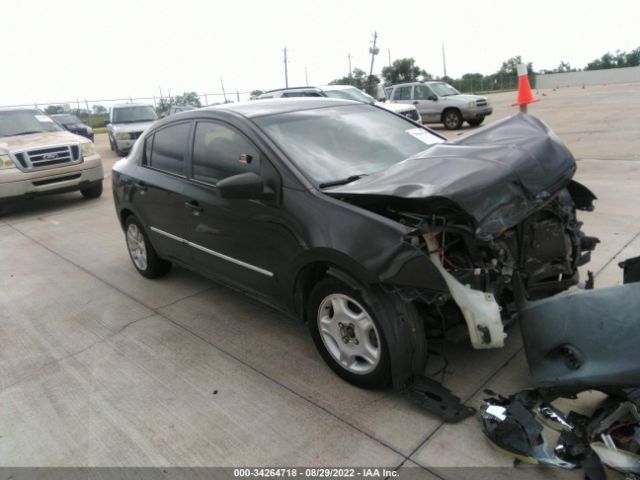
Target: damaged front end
(495, 212)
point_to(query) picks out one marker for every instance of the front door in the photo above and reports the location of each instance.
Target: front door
(242, 242)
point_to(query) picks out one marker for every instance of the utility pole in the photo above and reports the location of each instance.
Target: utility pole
(224, 94)
(160, 88)
(389, 50)
(444, 61)
(286, 73)
(306, 78)
(350, 71)
(373, 51)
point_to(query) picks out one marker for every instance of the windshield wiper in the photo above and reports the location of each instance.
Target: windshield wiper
(27, 133)
(343, 181)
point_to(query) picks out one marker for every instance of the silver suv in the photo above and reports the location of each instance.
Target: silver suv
(126, 123)
(38, 156)
(345, 92)
(439, 102)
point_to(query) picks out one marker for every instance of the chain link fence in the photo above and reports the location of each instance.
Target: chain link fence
(94, 112)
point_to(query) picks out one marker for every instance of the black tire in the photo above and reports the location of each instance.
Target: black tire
(379, 377)
(92, 192)
(111, 144)
(476, 121)
(155, 266)
(452, 119)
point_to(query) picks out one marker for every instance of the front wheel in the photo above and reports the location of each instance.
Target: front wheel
(474, 122)
(346, 332)
(144, 257)
(452, 119)
(92, 192)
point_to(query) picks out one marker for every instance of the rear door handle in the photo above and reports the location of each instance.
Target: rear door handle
(194, 206)
(416, 102)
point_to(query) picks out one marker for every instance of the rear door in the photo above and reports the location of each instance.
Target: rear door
(159, 198)
(426, 105)
(242, 242)
(402, 94)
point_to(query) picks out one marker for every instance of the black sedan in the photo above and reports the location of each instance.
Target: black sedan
(73, 124)
(375, 231)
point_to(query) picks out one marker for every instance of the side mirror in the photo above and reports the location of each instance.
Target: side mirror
(107, 121)
(433, 97)
(243, 186)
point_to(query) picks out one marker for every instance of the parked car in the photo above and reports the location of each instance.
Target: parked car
(374, 230)
(346, 92)
(177, 109)
(439, 102)
(38, 156)
(73, 124)
(126, 123)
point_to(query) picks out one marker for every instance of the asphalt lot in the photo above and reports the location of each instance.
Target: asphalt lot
(101, 367)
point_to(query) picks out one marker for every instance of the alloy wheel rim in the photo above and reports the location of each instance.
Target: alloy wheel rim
(349, 334)
(451, 120)
(136, 246)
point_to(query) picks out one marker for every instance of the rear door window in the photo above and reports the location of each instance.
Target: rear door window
(402, 93)
(168, 148)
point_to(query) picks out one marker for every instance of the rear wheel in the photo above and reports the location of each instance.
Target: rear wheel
(92, 192)
(111, 144)
(144, 257)
(452, 119)
(476, 121)
(346, 332)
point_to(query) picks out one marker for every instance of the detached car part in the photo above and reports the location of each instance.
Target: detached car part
(631, 268)
(584, 339)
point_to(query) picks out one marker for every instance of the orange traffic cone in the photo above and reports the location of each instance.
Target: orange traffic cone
(525, 97)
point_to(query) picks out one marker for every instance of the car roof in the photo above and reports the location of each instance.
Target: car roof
(275, 106)
(286, 89)
(127, 105)
(19, 109)
(408, 84)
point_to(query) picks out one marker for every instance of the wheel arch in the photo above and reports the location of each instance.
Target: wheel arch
(448, 109)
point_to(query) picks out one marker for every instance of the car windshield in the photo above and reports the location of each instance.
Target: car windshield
(332, 144)
(144, 113)
(444, 89)
(23, 122)
(350, 94)
(66, 119)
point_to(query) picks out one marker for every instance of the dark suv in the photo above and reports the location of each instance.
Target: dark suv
(374, 230)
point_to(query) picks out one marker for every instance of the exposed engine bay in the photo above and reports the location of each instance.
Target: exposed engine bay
(495, 212)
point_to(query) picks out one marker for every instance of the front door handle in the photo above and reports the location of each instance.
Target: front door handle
(416, 102)
(193, 206)
(140, 186)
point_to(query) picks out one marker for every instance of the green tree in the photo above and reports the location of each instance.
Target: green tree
(53, 109)
(98, 109)
(256, 93)
(187, 98)
(403, 70)
(359, 79)
(510, 67)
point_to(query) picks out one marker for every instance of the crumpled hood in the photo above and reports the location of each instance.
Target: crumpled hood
(19, 142)
(131, 127)
(511, 166)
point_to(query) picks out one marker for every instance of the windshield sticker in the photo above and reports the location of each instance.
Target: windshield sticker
(424, 136)
(43, 118)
